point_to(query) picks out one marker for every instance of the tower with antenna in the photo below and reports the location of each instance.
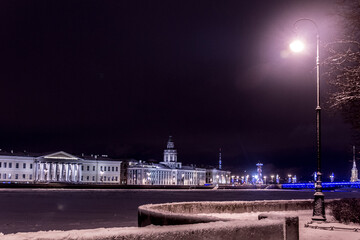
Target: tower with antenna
(220, 159)
(354, 171)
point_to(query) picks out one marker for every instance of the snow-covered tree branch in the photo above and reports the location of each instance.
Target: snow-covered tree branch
(343, 64)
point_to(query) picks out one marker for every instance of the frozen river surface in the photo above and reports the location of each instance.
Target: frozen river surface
(48, 209)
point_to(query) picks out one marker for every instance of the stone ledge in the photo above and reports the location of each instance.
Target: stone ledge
(237, 230)
(185, 212)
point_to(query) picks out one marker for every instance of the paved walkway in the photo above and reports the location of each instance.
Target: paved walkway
(330, 230)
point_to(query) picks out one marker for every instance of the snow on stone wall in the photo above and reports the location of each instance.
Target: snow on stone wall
(266, 229)
(186, 212)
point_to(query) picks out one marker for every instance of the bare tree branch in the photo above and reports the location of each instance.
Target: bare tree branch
(343, 64)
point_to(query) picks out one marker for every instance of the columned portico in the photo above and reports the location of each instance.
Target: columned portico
(58, 167)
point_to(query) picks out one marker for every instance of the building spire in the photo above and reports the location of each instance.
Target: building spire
(354, 171)
(170, 143)
(354, 160)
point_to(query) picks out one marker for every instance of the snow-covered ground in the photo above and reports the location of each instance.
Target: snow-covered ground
(30, 210)
(152, 231)
(306, 233)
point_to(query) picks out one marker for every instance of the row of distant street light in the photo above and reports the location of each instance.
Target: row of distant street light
(274, 179)
(290, 179)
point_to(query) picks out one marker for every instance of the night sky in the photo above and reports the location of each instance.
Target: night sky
(119, 77)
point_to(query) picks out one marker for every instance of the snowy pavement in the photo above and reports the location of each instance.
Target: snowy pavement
(306, 233)
(152, 231)
(30, 210)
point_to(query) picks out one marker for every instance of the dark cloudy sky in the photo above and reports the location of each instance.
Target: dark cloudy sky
(119, 77)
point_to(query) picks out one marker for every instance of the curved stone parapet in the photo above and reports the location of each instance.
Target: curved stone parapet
(186, 212)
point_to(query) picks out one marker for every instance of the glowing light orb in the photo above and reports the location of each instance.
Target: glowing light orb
(297, 46)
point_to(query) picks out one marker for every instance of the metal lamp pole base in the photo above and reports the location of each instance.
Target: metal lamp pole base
(319, 202)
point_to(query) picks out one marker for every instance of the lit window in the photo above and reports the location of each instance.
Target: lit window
(9, 175)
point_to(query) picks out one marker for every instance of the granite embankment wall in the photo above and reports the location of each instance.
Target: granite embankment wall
(262, 230)
(186, 212)
(272, 227)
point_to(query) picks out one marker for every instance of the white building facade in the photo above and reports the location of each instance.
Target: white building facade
(141, 173)
(167, 172)
(62, 167)
(59, 167)
(17, 169)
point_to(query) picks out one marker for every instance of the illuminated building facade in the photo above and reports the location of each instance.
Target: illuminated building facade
(62, 167)
(59, 167)
(167, 172)
(217, 176)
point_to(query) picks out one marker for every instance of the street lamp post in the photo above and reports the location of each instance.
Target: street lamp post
(319, 205)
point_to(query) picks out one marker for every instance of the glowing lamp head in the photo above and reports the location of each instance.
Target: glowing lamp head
(297, 46)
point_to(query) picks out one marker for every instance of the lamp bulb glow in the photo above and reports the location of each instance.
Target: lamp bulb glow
(297, 46)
